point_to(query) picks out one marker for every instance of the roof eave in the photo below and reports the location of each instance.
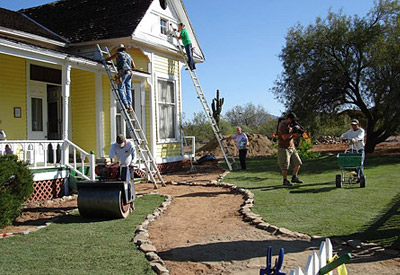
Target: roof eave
(30, 36)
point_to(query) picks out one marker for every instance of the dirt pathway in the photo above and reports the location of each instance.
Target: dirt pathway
(202, 232)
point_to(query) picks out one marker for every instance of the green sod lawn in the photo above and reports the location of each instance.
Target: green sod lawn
(317, 207)
(73, 245)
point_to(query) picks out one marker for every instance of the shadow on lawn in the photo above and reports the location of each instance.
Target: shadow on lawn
(323, 164)
(384, 229)
(234, 251)
(78, 219)
(296, 188)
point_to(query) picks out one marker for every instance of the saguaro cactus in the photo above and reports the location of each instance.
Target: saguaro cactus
(216, 106)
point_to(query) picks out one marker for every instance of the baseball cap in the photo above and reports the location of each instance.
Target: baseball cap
(120, 139)
(292, 115)
(121, 46)
(355, 122)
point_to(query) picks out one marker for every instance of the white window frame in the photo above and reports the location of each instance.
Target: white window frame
(166, 26)
(174, 81)
(114, 114)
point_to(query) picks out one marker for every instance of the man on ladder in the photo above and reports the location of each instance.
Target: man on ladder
(125, 65)
(199, 91)
(133, 125)
(188, 45)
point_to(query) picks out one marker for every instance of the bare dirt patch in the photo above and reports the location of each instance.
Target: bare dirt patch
(259, 146)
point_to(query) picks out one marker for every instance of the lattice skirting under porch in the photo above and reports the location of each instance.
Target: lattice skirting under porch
(47, 190)
(163, 168)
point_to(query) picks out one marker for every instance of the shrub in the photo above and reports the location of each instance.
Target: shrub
(16, 186)
(304, 147)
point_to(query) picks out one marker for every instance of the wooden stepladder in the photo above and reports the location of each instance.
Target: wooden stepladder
(133, 125)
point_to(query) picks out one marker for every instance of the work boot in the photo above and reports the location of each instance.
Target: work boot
(296, 179)
(287, 183)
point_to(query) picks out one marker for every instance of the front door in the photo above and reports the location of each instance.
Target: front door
(54, 108)
(37, 116)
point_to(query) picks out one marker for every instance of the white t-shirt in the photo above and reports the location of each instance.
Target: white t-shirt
(125, 155)
(358, 137)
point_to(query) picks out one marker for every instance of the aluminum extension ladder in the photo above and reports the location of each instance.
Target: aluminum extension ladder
(204, 104)
(133, 124)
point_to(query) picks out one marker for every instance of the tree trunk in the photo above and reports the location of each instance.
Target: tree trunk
(370, 146)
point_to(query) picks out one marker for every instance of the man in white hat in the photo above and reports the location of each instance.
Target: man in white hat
(125, 65)
(356, 137)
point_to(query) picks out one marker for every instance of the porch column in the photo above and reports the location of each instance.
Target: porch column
(152, 118)
(66, 90)
(99, 116)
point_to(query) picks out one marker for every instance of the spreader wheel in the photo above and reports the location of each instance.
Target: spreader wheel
(338, 181)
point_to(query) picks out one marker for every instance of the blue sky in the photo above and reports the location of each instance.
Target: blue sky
(241, 41)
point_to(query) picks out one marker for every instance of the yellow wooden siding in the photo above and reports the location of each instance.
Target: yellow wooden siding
(168, 150)
(141, 61)
(13, 94)
(83, 109)
(165, 65)
(106, 114)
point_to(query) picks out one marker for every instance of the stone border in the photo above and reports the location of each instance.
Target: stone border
(36, 228)
(141, 238)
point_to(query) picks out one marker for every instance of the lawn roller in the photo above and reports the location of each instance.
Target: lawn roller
(107, 197)
(350, 167)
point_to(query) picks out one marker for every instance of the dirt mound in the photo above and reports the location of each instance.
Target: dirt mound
(260, 146)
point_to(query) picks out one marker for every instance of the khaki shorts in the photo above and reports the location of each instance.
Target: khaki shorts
(288, 157)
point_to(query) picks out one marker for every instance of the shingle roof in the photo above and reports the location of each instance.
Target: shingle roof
(13, 20)
(88, 20)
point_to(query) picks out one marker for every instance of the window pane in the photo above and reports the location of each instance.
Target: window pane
(163, 24)
(167, 110)
(45, 74)
(37, 114)
(118, 124)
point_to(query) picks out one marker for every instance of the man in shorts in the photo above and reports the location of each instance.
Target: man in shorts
(287, 153)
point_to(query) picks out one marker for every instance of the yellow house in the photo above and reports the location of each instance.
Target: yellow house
(56, 105)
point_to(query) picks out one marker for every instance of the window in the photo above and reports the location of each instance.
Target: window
(120, 122)
(37, 114)
(163, 24)
(45, 74)
(167, 110)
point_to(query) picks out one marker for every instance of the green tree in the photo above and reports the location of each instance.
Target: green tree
(342, 63)
(16, 186)
(248, 115)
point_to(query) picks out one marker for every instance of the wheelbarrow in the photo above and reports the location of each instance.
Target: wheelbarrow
(350, 165)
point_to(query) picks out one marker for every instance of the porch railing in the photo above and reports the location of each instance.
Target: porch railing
(189, 146)
(40, 154)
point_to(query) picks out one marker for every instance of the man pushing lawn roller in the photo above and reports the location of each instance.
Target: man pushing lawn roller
(355, 158)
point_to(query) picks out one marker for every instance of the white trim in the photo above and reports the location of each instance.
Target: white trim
(152, 111)
(99, 115)
(42, 87)
(35, 53)
(67, 114)
(168, 78)
(30, 36)
(169, 159)
(59, 174)
(113, 113)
